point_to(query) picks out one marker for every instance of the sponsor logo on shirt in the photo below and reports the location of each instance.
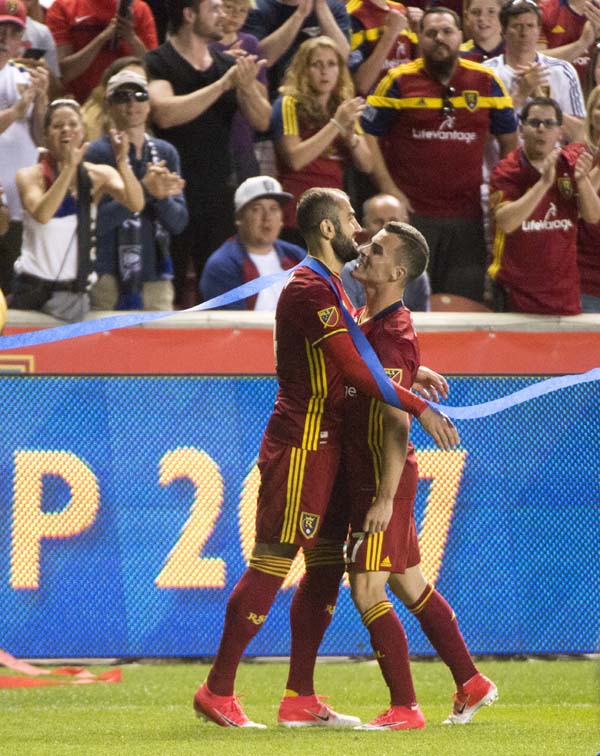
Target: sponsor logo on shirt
(446, 132)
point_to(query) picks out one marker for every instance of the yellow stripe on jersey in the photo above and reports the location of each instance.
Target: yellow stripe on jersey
(436, 103)
(498, 253)
(316, 404)
(381, 608)
(375, 438)
(295, 483)
(419, 608)
(327, 335)
(353, 5)
(271, 565)
(290, 120)
(466, 46)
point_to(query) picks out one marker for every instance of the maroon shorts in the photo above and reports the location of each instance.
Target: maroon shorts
(295, 487)
(394, 549)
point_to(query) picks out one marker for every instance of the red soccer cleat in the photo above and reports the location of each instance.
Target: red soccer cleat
(222, 710)
(310, 711)
(470, 697)
(397, 718)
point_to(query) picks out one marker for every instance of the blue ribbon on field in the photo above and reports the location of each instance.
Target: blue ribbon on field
(114, 322)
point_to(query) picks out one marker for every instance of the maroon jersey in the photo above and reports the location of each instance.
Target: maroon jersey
(588, 257)
(434, 135)
(537, 263)
(309, 405)
(392, 335)
(368, 22)
(562, 25)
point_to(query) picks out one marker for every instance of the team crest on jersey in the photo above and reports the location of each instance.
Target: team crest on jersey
(330, 317)
(471, 98)
(395, 374)
(12, 7)
(565, 186)
(308, 524)
(545, 90)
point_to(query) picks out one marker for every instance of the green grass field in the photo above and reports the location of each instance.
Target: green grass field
(545, 707)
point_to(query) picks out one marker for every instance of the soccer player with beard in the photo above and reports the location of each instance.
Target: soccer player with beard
(298, 461)
(434, 117)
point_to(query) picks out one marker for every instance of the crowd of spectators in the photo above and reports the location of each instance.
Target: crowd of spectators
(151, 153)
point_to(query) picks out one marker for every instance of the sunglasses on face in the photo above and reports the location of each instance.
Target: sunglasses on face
(123, 96)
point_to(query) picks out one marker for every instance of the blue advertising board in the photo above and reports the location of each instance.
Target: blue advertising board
(127, 507)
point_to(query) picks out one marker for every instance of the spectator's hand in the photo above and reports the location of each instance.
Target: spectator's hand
(27, 95)
(125, 28)
(548, 176)
(440, 428)
(530, 78)
(414, 17)
(430, 384)
(120, 144)
(305, 8)
(75, 152)
(247, 69)
(40, 78)
(348, 112)
(396, 22)
(583, 166)
(378, 515)
(160, 182)
(592, 13)
(109, 32)
(236, 51)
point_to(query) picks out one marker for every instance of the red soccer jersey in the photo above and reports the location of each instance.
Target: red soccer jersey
(368, 21)
(433, 135)
(78, 22)
(562, 25)
(537, 263)
(588, 257)
(327, 170)
(392, 335)
(309, 405)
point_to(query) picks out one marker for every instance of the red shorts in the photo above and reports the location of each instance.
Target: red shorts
(295, 486)
(394, 549)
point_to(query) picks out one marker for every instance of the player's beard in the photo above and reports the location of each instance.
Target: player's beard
(344, 247)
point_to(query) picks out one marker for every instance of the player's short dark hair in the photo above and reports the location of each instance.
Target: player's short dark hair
(517, 8)
(542, 102)
(413, 250)
(175, 12)
(316, 205)
(437, 10)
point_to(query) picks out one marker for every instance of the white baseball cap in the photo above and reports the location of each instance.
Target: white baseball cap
(258, 187)
(126, 77)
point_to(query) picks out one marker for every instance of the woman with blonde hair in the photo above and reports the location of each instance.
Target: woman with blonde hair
(588, 234)
(315, 123)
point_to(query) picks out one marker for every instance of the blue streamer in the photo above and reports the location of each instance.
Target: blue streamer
(90, 327)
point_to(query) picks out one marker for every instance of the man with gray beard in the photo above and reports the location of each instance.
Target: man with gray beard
(433, 117)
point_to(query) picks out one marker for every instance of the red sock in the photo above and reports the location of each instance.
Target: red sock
(247, 609)
(310, 614)
(440, 626)
(388, 640)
